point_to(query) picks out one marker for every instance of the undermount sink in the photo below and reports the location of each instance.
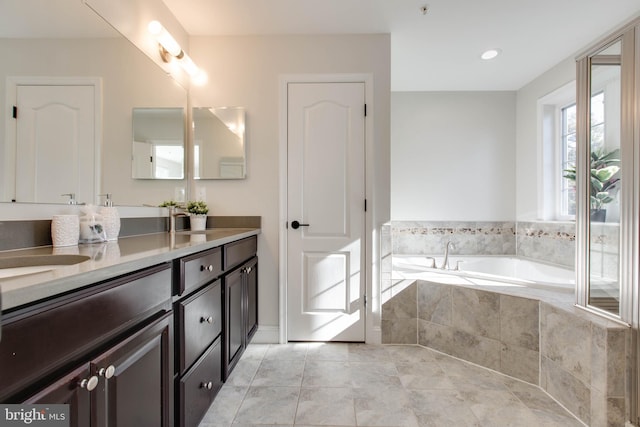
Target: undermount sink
(30, 264)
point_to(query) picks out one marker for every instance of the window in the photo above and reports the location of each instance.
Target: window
(567, 150)
(568, 160)
(557, 139)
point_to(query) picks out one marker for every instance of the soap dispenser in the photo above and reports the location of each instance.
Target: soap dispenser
(110, 218)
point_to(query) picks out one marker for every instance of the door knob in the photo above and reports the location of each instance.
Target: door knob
(295, 225)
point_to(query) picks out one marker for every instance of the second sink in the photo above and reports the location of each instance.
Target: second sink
(30, 264)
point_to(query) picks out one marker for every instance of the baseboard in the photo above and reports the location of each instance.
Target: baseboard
(271, 335)
(375, 335)
(266, 335)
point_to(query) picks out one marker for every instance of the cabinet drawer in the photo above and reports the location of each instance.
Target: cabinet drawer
(199, 323)
(200, 385)
(198, 269)
(68, 328)
(238, 252)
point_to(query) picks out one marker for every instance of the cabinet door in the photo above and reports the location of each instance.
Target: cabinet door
(234, 327)
(135, 388)
(69, 390)
(251, 284)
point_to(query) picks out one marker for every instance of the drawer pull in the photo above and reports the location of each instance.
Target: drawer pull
(207, 385)
(206, 267)
(90, 384)
(107, 372)
(208, 319)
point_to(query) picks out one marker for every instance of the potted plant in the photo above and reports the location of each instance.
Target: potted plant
(169, 204)
(604, 180)
(197, 214)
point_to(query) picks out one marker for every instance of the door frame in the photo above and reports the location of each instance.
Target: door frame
(12, 83)
(367, 250)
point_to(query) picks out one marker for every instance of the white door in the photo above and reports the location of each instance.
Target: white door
(326, 194)
(142, 160)
(55, 148)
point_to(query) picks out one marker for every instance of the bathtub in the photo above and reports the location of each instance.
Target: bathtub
(503, 269)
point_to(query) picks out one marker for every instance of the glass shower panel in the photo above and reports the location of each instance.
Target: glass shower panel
(605, 179)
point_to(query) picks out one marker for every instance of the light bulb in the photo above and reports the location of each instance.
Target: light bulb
(164, 38)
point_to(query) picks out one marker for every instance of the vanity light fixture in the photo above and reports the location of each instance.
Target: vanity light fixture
(490, 54)
(170, 49)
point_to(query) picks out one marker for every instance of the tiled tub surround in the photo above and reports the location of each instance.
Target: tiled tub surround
(552, 242)
(534, 335)
(470, 238)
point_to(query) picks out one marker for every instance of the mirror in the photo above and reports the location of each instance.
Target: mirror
(158, 143)
(219, 144)
(605, 124)
(66, 40)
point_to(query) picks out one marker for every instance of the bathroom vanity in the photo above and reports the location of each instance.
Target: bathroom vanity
(143, 333)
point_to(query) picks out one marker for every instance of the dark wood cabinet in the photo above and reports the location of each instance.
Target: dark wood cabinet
(234, 322)
(241, 311)
(71, 327)
(127, 385)
(196, 270)
(109, 355)
(251, 279)
(147, 348)
(199, 325)
(135, 379)
(68, 390)
(199, 386)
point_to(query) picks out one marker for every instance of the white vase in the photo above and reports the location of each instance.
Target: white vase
(198, 222)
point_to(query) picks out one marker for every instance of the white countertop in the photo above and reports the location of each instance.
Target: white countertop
(108, 260)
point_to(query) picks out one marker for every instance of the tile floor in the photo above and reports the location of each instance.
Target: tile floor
(368, 385)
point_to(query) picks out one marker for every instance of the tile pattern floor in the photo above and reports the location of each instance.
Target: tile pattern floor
(309, 384)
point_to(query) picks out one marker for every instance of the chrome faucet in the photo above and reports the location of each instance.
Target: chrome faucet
(445, 261)
(172, 218)
(72, 198)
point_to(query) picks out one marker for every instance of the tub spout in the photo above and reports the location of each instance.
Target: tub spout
(445, 261)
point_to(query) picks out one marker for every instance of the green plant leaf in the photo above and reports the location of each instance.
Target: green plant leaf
(605, 173)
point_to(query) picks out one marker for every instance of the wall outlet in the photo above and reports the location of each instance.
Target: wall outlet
(179, 194)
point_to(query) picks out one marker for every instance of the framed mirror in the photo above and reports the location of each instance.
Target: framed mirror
(219, 143)
(158, 143)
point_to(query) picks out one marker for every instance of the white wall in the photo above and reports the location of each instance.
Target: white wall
(452, 156)
(246, 71)
(528, 155)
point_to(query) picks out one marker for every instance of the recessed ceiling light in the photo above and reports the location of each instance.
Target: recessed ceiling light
(490, 54)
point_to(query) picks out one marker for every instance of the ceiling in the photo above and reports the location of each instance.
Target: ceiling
(436, 51)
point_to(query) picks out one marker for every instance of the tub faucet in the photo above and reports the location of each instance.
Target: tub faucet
(172, 218)
(445, 261)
